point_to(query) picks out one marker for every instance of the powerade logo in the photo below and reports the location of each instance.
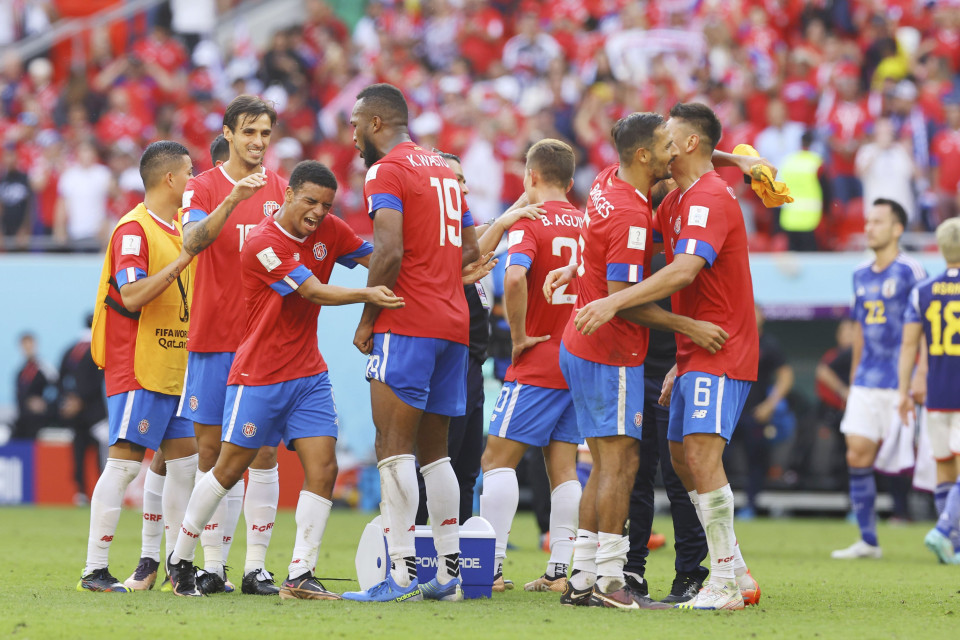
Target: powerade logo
(465, 563)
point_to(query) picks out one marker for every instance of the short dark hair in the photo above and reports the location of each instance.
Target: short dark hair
(633, 132)
(313, 172)
(898, 211)
(386, 101)
(702, 118)
(247, 106)
(219, 150)
(807, 138)
(554, 160)
(158, 159)
(448, 156)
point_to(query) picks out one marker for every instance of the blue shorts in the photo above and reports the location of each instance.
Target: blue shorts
(145, 418)
(534, 415)
(608, 399)
(429, 374)
(705, 403)
(205, 387)
(257, 416)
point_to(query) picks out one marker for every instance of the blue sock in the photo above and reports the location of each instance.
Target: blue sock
(940, 496)
(863, 496)
(947, 523)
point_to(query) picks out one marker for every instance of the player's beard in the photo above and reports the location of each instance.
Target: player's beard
(371, 155)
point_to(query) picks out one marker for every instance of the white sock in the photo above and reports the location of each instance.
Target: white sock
(260, 512)
(611, 556)
(206, 495)
(211, 538)
(152, 515)
(176, 494)
(234, 502)
(312, 514)
(401, 497)
(498, 505)
(739, 566)
(717, 509)
(695, 499)
(105, 509)
(443, 506)
(584, 559)
(564, 517)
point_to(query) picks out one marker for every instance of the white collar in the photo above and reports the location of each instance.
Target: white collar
(287, 233)
(168, 225)
(263, 170)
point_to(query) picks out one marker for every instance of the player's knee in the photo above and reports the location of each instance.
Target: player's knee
(266, 458)
(228, 475)
(320, 477)
(207, 451)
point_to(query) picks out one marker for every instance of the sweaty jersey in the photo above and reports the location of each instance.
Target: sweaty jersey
(419, 184)
(880, 301)
(280, 335)
(705, 220)
(935, 303)
(542, 246)
(130, 255)
(615, 243)
(218, 311)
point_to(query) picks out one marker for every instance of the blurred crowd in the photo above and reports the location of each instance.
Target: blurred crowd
(856, 99)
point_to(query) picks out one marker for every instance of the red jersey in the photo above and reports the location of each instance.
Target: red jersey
(542, 246)
(614, 245)
(847, 121)
(946, 156)
(218, 309)
(280, 335)
(706, 220)
(419, 184)
(130, 258)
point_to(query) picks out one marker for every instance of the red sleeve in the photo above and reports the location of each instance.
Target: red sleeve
(704, 226)
(271, 261)
(347, 240)
(196, 200)
(383, 188)
(129, 254)
(627, 246)
(522, 241)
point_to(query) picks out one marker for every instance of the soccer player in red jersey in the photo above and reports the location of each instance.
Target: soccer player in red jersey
(278, 384)
(535, 408)
(423, 234)
(220, 206)
(605, 371)
(708, 274)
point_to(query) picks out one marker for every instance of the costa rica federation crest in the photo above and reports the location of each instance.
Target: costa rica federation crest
(319, 251)
(249, 429)
(270, 207)
(144, 426)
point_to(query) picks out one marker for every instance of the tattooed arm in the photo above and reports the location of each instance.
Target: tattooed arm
(135, 295)
(197, 236)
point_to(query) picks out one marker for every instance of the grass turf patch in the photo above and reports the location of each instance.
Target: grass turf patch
(805, 594)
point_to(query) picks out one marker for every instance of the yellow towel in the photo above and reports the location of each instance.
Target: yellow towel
(773, 193)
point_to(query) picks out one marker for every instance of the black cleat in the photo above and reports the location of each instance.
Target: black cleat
(686, 586)
(101, 580)
(259, 583)
(183, 578)
(639, 591)
(305, 587)
(573, 597)
(210, 583)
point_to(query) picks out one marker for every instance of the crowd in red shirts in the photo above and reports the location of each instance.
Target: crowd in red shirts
(485, 79)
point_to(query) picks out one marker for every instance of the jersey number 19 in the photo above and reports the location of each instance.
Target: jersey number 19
(449, 199)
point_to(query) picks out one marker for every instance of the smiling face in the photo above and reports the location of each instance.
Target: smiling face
(180, 177)
(248, 143)
(306, 208)
(663, 154)
(364, 126)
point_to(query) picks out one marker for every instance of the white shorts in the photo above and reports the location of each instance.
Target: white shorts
(943, 427)
(871, 413)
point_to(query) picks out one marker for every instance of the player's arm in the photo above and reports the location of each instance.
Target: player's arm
(199, 235)
(664, 283)
(829, 378)
(909, 347)
(744, 163)
(515, 301)
(136, 294)
(384, 267)
(470, 250)
(704, 334)
(327, 294)
(558, 278)
(783, 379)
(856, 350)
(493, 232)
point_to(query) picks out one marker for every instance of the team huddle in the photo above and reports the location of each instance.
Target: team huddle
(239, 262)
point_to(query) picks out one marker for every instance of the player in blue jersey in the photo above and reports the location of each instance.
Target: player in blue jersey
(881, 292)
(934, 313)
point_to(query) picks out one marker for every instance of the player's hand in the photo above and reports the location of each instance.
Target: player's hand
(248, 186)
(918, 389)
(746, 164)
(594, 315)
(906, 407)
(477, 269)
(363, 338)
(666, 391)
(531, 211)
(522, 201)
(707, 335)
(525, 343)
(556, 279)
(383, 297)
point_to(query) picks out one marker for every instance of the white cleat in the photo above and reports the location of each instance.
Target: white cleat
(858, 549)
(715, 597)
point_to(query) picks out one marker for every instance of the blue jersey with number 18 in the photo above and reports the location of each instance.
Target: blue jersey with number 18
(935, 303)
(880, 301)
(418, 183)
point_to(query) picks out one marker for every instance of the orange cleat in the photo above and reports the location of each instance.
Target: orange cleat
(749, 588)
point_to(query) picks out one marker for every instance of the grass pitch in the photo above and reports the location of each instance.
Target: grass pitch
(804, 593)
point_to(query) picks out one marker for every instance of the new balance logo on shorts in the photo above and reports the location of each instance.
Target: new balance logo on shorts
(699, 413)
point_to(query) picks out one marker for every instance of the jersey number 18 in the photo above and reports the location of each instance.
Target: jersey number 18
(944, 325)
